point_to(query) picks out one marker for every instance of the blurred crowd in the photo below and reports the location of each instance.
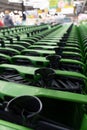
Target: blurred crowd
(18, 18)
(11, 19)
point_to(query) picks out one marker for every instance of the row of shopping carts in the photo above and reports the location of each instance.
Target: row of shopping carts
(43, 77)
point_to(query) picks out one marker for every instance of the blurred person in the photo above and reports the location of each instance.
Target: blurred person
(24, 19)
(1, 23)
(17, 19)
(7, 19)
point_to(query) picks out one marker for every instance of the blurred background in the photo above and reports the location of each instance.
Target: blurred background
(36, 12)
